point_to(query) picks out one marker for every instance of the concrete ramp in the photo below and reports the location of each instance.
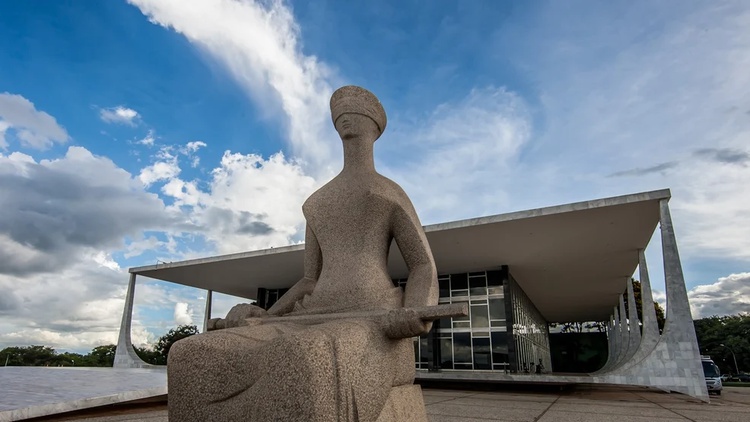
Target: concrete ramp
(30, 392)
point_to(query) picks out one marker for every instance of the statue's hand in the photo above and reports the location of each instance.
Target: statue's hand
(237, 316)
(404, 323)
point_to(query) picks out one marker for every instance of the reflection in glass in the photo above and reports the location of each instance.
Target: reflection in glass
(446, 353)
(479, 316)
(499, 347)
(424, 355)
(497, 308)
(462, 347)
(478, 286)
(482, 358)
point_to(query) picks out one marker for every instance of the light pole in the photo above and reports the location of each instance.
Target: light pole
(736, 368)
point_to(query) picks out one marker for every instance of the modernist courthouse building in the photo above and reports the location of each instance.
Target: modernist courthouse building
(518, 272)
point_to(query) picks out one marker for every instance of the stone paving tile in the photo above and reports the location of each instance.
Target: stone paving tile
(431, 400)
(484, 412)
(620, 403)
(559, 416)
(427, 392)
(714, 415)
(505, 396)
(502, 404)
(606, 409)
(444, 418)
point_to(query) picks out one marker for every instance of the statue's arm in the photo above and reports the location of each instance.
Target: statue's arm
(422, 285)
(313, 266)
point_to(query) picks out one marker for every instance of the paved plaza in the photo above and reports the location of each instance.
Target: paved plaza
(583, 404)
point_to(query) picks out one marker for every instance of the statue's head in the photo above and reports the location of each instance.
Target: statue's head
(357, 112)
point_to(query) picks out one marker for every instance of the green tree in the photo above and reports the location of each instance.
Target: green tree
(660, 318)
(151, 356)
(166, 341)
(733, 332)
(29, 356)
(102, 355)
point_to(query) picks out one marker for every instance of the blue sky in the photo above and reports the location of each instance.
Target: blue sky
(144, 130)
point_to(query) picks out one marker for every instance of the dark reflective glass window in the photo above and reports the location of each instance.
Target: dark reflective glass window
(479, 317)
(445, 289)
(446, 353)
(462, 366)
(424, 355)
(462, 348)
(482, 359)
(478, 286)
(497, 308)
(494, 278)
(459, 282)
(499, 347)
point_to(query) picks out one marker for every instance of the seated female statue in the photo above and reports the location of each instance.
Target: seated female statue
(342, 370)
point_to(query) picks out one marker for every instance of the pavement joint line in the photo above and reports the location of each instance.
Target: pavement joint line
(541, 415)
(666, 408)
(451, 399)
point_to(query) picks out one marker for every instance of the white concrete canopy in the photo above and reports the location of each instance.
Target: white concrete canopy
(572, 260)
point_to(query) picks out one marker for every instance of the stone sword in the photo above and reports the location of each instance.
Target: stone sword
(425, 313)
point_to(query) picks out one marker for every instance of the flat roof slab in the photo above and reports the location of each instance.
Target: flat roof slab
(29, 392)
(572, 260)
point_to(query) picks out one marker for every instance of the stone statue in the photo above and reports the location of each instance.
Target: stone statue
(338, 369)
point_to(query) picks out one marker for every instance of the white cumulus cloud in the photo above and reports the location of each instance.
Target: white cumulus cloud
(120, 115)
(729, 295)
(35, 129)
(259, 44)
(182, 314)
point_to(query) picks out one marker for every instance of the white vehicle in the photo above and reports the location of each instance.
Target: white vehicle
(712, 374)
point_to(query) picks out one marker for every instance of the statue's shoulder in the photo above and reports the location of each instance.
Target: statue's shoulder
(391, 191)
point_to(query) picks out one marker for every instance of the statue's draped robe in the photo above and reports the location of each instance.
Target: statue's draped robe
(293, 372)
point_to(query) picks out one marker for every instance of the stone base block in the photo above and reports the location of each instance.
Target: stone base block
(405, 404)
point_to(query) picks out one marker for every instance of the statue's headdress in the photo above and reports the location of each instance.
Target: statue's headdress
(354, 99)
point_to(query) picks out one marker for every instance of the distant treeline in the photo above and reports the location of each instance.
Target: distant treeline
(99, 356)
(721, 336)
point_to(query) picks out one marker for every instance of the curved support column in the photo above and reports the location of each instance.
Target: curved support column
(617, 338)
(674, 364)
(610, 347)
(207, 314)
(634, 329)
(624, 335)
(125, 356)
(650, 334)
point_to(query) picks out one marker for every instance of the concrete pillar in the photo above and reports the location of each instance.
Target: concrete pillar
(207, 314)
(674, 363)
(617, 338)
(125, 356)
(610, 352)
(624, 333)
(650, 334)
(634, 329)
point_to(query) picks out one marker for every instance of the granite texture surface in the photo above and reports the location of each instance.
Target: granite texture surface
(341, 370)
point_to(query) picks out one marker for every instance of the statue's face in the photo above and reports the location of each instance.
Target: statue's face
(352, 125)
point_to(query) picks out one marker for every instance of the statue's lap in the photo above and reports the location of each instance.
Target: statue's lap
(225, 363)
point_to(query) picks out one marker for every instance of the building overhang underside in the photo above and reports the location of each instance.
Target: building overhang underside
(572, 260)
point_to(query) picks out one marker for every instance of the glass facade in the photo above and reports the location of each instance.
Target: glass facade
(530, 346)
(476, 341)
(503, 331)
